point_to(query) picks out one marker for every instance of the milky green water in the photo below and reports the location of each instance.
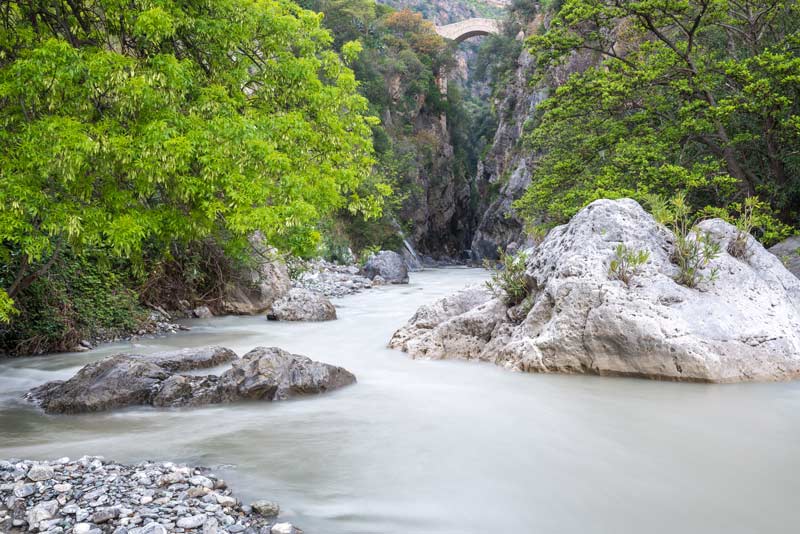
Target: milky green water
(450, 447)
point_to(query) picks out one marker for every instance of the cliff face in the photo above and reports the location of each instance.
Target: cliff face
(505, 171)
(447, 11)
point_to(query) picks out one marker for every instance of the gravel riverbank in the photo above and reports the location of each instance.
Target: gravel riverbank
(94, 496)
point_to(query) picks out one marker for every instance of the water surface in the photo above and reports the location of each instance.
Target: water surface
(449, 447)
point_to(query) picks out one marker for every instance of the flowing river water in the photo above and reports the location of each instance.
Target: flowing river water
(449, 447)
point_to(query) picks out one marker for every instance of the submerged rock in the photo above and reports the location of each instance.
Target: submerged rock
(135, 380)
(303, 305)
(388, 265)
(745, 325)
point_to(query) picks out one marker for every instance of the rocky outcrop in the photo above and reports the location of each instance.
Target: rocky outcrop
(135, 380)
(389, 265)
(92, 496)
(252, 291)
(303, 305)
(743, 326)
(788, 251)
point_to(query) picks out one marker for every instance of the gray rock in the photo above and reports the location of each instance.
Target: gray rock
(122, 380)
(283, 528)
(743, 326)
(190, 359)
(202, 312)
(266, 508)
(253, 290)
(41, 512)
(788, 251)
(40, 472)
(388, 265)
(82, 528)
(25, 490)
(193, 521)
(274, 374)
(303, 305)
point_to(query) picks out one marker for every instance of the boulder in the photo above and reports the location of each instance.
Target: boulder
(745, 325)
(274, 374)
(788, 251)
(303, 305)
(254, 290)
(190, 359)
(110, 383)
(388, 265)
(129, 380)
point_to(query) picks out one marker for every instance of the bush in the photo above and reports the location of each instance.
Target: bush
(79, 298)
(694, 250)
(627, 263)
(508, 281)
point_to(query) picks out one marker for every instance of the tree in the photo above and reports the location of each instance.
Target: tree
(128, 126)
(695, 95)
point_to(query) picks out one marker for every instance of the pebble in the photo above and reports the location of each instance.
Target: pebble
(330, 279)
(94, 496)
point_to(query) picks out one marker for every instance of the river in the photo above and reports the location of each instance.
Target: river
(449, 447)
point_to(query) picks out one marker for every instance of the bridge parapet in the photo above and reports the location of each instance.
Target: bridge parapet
(459, 31)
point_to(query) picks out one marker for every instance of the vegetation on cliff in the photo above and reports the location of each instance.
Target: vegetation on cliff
(698, 96)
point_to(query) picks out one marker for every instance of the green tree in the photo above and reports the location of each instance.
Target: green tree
(130, 125)
(693, 95)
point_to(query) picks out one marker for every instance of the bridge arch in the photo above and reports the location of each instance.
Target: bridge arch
(459, 31)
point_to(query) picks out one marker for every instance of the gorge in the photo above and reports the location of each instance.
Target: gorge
(358, 266)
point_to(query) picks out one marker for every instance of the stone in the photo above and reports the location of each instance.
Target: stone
(283, 528)
(303, 305)
(202, 312)
(104, 515)
(788, 251)
(200, 480)
(82, 528)
(40, 472)
(388, 265)
(270, 373)
(62, 488)
(253, 290)
(193, 521)
(266, 508)
(24, 490)
(190, 359)
(743, 326)
(41, 512)
(226, 500)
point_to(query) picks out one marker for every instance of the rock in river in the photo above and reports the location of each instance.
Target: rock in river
(303, 305)
(745, 325)
(128, 380)
(388, 265)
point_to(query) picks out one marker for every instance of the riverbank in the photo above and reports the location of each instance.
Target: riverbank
(94, 496)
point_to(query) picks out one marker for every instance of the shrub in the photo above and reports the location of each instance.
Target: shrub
(627, 263)
(508, 281)
(694, 250)
(739, 245)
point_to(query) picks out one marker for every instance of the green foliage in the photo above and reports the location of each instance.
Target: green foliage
(627, 263)
(694, 250)
(508, 281)
(77, 299)
(129, 126)
(696, 96)
(366, 253)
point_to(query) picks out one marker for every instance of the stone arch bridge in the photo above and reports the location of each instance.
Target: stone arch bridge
(459, 31)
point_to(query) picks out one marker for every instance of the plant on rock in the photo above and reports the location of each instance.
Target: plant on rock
(508, 281)
(694, 250)
(627, 263)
